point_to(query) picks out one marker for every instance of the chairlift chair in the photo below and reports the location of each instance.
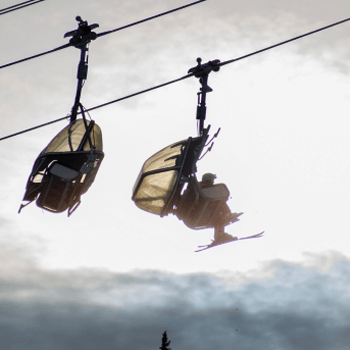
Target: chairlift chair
(167, 184)
(66, 168)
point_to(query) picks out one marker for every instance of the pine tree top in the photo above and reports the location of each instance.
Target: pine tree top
(165, 342)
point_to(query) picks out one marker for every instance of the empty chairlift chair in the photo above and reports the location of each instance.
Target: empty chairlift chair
(66, 168)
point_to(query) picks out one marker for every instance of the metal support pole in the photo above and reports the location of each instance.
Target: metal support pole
(202, 71)
(81, 76)
(81, 39)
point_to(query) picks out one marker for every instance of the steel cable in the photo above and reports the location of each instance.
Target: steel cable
(182, 78)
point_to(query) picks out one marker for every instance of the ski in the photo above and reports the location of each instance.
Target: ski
(234, 239)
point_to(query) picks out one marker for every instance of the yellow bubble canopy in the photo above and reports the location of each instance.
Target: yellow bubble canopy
(66, 168)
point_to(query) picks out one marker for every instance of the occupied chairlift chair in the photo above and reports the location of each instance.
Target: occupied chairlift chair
(167, 182)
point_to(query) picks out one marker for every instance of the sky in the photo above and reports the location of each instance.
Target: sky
(112, 276)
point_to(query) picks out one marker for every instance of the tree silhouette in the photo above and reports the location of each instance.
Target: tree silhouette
(165, 342)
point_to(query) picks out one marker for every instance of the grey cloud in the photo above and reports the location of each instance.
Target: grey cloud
(295, 307)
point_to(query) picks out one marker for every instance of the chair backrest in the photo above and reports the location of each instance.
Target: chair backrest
(203, 207)
(159, 177)
(60, 189)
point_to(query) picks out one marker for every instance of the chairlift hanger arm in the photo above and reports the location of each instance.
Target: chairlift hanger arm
(81, 38)
(202, 71)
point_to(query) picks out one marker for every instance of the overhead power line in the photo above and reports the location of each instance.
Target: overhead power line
(35, 56)
(285, 42)
(181, 78)
(139, 93)
(33, 128)
(19, 6)
(149, 18)
(102, 34)
(96, 107)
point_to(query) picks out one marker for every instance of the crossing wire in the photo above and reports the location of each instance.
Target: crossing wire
(183, 77)
(19, 6)
(101, 34)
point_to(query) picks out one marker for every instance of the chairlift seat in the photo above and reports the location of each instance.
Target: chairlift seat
(64, 173)
(203, 207)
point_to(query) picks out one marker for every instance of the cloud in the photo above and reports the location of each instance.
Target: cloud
(282, 305)
(292, 306)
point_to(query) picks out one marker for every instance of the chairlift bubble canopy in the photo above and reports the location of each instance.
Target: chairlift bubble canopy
(66, 168)
(163, 175)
